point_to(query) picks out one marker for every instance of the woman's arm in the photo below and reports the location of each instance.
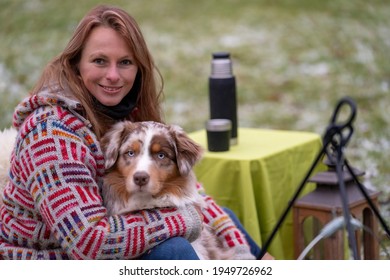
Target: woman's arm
(224, 227)
(60, 170)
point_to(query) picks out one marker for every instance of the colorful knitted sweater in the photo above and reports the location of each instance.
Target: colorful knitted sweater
(53, 207)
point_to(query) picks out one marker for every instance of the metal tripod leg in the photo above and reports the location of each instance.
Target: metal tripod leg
(344, 199)
(291, 202)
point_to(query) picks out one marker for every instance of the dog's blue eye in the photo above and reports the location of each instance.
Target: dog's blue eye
(131, 153)
(161, 155)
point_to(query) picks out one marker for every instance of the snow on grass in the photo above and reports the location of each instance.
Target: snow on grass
(292, 63)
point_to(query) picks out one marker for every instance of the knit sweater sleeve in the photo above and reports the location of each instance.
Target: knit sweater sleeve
(224, 227)
(59, 170)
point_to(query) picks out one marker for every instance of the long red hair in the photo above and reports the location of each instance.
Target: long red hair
(63, 70)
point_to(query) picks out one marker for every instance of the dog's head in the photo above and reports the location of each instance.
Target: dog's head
(150, 155)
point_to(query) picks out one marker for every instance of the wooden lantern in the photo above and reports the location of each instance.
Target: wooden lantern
(324, 204)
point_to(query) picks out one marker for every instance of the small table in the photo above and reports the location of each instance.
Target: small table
(258, 177)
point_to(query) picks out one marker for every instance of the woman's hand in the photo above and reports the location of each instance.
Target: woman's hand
(267, 257)
(195, 223)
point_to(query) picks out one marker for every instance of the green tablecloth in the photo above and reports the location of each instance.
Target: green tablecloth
(258, 177)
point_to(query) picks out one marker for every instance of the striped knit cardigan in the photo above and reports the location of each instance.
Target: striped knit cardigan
(53, 207)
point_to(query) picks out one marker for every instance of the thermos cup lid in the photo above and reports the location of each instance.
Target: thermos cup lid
(221, 65)
(221, 55)
(219, 125)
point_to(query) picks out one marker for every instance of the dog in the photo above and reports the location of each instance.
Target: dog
(150, 165)
(7, 142)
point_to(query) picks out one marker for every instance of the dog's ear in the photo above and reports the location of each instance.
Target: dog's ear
(188, 153)
(112, 141)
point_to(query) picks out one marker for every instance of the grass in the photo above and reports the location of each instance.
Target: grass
(293, 60)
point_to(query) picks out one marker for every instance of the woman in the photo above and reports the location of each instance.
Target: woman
(52, 206)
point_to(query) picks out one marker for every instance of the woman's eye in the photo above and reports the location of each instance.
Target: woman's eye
(131, 153)
(126, 62)
(99, 61)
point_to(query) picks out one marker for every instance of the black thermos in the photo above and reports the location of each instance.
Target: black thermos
(222, 91)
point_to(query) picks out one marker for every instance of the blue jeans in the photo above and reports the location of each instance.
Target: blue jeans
(178, 248)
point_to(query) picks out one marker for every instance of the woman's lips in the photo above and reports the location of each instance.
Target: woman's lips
(111, 90)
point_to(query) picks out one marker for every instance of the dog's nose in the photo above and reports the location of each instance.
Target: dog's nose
(141, 178)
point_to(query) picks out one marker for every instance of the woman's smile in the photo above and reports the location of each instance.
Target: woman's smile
(111, 90)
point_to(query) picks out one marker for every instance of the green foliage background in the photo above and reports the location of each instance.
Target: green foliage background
(293, 60)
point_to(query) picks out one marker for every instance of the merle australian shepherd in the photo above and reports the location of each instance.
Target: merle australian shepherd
(150, 165)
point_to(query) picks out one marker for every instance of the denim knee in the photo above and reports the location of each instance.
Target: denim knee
(175, 248)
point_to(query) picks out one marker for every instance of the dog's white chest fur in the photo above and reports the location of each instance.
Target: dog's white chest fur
(144, 200)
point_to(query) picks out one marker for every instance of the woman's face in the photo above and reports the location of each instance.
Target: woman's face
(107, 66)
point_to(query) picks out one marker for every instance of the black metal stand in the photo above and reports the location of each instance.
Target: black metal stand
(335, 139)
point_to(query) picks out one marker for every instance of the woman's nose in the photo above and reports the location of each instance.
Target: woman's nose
(112, 73)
